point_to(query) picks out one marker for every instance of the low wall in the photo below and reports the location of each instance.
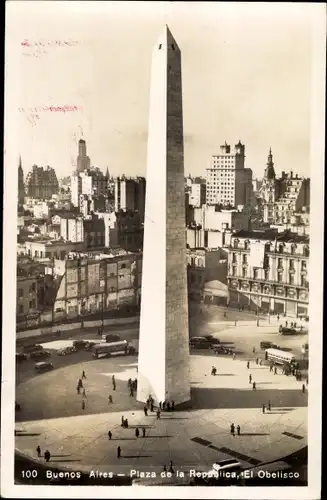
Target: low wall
(50, 330)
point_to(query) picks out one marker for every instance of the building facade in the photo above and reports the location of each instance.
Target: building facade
(21, 187)
(268, 272)
(197, 195)
(83, 161)
(130, 194)
(228, 182)
(41, 183)
(89, 285)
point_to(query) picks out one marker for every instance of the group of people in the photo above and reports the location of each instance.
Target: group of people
(266, 407)
(47, 454)
(132, 386)
(232, 430)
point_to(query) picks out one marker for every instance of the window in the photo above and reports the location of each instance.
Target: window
(235, 243)
(280, 263)
(292, 246)
(303, 281)
(292, 264)
(303, 265)
(306, 251)
(234, 271)
(32, 304)
(192, 261)
(245, 259)
(234, 260)
(266, 275)
(244, 272)
(281, 248)
(123, 266)
(21, 309)
(291, 279)
(255, 273)
(20, 293)
(280, 277)
(246, 245)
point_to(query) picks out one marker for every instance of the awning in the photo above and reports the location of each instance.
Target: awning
(216, 288)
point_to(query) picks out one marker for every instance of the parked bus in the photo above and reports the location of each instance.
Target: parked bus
(280, 357)
(107, 349)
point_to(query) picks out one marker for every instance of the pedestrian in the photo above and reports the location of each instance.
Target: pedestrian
(232, 429)
(263, 408)
(269, 406)
(253, 350)
(257, 361)
(270, 367)
(248, 364)
(145, 411)
(109, 399)
(109, 435)
(294, 324)
(78, 389)
(250, 379)
(114, 385)
(168, 406)
(278, 317)
(83, 374)
(260, 362)
(122, 421)
(158, 414)
(126, 423)
(254, 387)
(165, 468)
(129, 382)
(286, 324)
(275, 370)
(83, 405)
(118, 451)
(137, 432)
(143, 431)
(84, 393)
(38, 450)
(234, 355)
(303, 388)
(172, 405)
(47, 455)
(171, 470)
(238, 430)
(160, 405)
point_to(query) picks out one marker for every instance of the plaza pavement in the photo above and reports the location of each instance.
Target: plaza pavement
(52, 417)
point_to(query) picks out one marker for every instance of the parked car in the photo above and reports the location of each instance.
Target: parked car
(221, 349)
(283, 330)
(79, 344)
(32, 347)
(20, 356)
(266, 344)
(40, 354)
(66, 350)
(212, 339)
(43, 366)
(200, 343)
(88, 346)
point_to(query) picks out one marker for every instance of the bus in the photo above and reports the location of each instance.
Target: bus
(107, 349)
(280, 357)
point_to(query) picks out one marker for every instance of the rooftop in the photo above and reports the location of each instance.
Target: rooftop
(272, 234)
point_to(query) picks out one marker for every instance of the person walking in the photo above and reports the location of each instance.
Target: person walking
(254, 387)
(145, 411)
(248, 364)
(269, 406)
(38, 450)
(263, 408)
(83, 374)
(275, 370)
(122, 421)
(257, 361)
(171, 470)
(143, 431)
(260, 362)
(118, 451)
(47, 455)
(137, 432)
(83, 405)
(253, 349)
(109, 399)
(158, 414)
(109, 435)
(238, 430)
(303, 388)
(250, 379)
(232, 429)
(165, 468)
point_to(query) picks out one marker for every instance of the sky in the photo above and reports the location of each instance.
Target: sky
(246, 75)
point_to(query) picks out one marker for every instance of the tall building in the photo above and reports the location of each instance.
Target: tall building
(83, 161)
(197, 196)
(164, 372)
(130, 194)
(21, 187)
(41, 183)
(228, 182)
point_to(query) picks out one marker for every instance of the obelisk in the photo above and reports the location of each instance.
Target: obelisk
(163, 364)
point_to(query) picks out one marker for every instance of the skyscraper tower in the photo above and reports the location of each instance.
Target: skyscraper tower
(83, 161)
(21, 187)
(163, 366)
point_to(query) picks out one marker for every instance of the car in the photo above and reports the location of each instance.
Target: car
(230, 464)
(32, 347)
(40, 354)
(43, 366)
(283, 330)
(66, 350)
(88, 346)
(20, 356)
(212, 339)
(107, 338)
(266, 344)
(220, 349)
(79, 345)
(200, 343)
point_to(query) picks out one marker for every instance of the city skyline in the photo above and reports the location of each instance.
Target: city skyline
(252, 96)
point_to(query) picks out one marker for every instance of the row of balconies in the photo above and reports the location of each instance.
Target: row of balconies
(286, 254)
(263, 281)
